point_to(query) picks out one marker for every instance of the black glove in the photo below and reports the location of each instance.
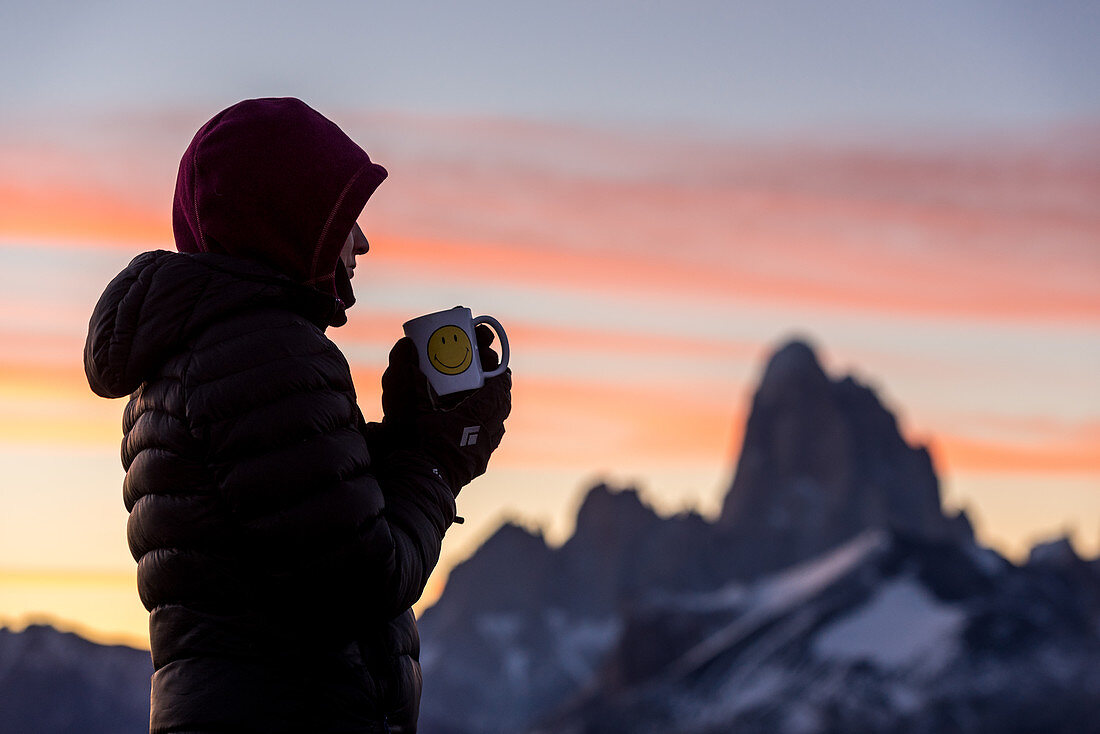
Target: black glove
(458, 432)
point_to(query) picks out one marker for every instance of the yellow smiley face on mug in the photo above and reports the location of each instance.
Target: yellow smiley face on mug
(449, 350)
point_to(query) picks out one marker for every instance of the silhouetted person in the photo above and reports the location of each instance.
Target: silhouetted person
(281, 540)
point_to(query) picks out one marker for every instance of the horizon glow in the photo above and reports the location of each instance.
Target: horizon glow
(988, 356)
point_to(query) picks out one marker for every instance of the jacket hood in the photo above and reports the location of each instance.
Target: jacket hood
(162, 299)
(275, 182)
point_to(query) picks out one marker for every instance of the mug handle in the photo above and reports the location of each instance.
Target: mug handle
(503, 343)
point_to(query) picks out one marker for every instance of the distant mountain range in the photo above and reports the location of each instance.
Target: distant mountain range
(832, 595)
(55, 682)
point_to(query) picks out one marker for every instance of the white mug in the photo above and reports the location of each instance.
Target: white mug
(447, 346)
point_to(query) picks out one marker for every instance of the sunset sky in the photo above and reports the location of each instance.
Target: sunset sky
(650, 196)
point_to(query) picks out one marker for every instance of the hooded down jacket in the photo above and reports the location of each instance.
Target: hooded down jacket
(277, 562)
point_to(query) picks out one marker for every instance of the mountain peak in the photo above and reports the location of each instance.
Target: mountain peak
(793, 367)
(604, 506)
(610, 519)
(1058, 552)
(822, 461)
(795, 353)
(489, 578)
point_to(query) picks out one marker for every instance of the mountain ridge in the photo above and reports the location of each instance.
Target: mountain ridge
(59, 683)
(617, 622)
(831, 594)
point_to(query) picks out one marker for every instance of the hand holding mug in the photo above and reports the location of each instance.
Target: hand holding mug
(459, 433)
(447, 348)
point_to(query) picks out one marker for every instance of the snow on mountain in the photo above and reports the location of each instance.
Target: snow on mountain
(887, 634)
(780, 594)
(901, 627)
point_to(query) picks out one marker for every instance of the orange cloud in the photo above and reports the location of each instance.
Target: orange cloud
(973, 233)
(33, 380)
(50, 403)
(1076, 454)
(945, 295)
(382, 328)
(992, 234)
(587, 422)
(566, 340)
(591, 424)
(80, 215)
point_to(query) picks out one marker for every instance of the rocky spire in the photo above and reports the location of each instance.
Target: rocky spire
(823, 460)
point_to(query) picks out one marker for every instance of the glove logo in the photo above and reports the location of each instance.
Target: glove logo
(469, 435)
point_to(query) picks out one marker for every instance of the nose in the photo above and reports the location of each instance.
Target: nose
(361, 246)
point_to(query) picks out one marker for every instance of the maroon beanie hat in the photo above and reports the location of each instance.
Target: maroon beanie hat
(274, 181)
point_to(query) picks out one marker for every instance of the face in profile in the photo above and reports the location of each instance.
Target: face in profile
(356, 244)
